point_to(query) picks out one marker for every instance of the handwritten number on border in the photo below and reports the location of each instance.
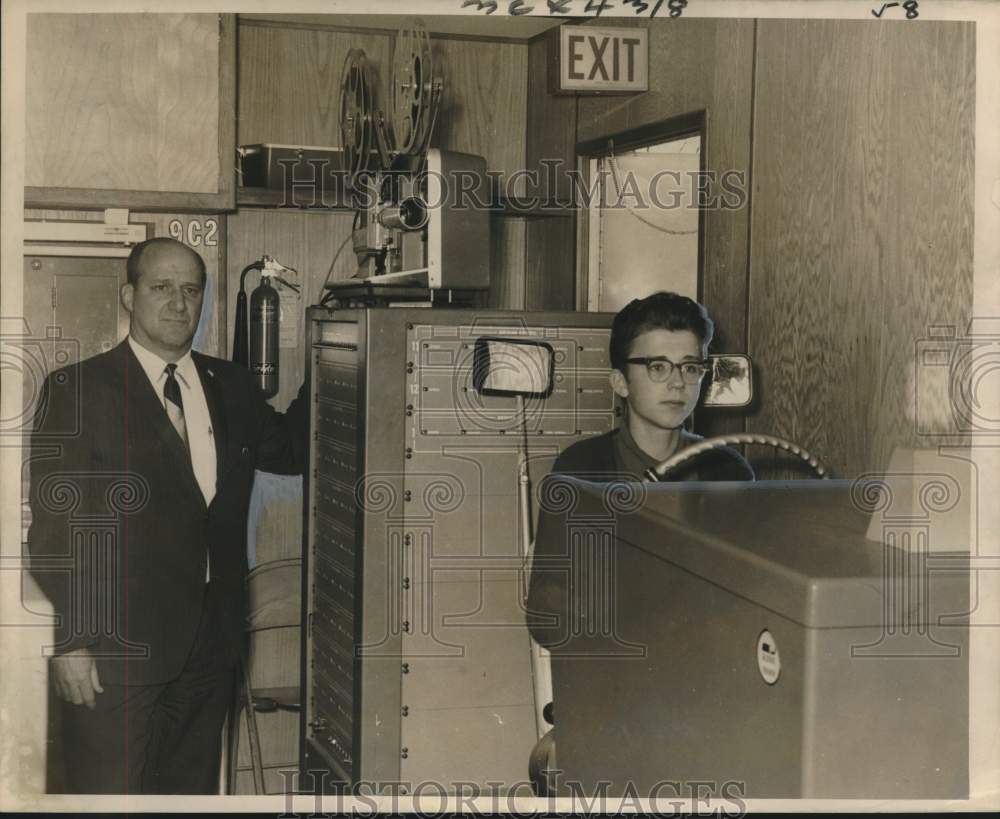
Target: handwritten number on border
(489, 6)
(642, 5)
(516, 8)
(910, 7)
(595, 7)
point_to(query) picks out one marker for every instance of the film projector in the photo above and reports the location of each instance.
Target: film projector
(423, 217)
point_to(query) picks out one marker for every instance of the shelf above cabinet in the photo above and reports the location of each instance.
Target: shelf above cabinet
(318, 201)
(287, 200)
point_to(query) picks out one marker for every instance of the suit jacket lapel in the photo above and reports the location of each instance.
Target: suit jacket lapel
(215, 398)
(144, 405)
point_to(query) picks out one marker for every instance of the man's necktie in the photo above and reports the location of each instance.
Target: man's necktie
(175, 412)
(174, 403)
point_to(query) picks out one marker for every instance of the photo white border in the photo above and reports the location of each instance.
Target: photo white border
(19, 697)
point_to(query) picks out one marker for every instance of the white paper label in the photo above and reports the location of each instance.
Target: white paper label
(768, 659)
(291, 309)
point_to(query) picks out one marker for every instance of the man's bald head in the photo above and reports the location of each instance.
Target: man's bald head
(161, 249)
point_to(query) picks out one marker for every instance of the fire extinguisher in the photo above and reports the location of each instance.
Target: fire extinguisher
(265, 310)
(261, 357)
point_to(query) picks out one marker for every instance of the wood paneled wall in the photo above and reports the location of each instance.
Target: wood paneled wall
(861, 178)
(290, 81)
(508, 276)
(552, 122)
(862, 226)
(305, 241)
(289, 91)
(550, 273)
(123, 101)
(308, 242)
(289, 88)
(483, 106)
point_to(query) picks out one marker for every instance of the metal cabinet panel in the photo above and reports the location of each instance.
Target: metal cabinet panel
(419, 660)
(471, 744)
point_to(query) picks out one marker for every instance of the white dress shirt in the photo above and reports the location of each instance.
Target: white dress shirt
(197, 419)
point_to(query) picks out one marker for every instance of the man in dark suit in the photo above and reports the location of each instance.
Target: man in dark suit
(138, 535)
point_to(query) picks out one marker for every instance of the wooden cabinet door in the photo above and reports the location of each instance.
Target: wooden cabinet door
(130, 110)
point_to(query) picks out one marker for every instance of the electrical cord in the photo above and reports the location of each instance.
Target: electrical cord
(631, 210)
(329, 294)
(336, 255)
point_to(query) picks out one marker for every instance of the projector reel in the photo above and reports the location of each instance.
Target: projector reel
(373, 142)
(415, 94)
(357, 114)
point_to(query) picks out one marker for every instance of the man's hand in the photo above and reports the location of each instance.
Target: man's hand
(75, 677)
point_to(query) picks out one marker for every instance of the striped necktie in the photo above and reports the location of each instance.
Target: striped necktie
(175, 412)
(174, 404)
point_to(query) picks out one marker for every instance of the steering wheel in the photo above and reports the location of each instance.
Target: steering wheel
(685, 455)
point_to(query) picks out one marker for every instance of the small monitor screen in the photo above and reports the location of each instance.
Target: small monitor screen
(512, 367)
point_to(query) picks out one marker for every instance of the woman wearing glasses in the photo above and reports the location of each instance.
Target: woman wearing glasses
(659, 347)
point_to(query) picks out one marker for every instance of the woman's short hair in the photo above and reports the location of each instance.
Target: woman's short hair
(659, 311)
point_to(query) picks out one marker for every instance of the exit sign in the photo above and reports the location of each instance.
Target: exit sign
(590, 60)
